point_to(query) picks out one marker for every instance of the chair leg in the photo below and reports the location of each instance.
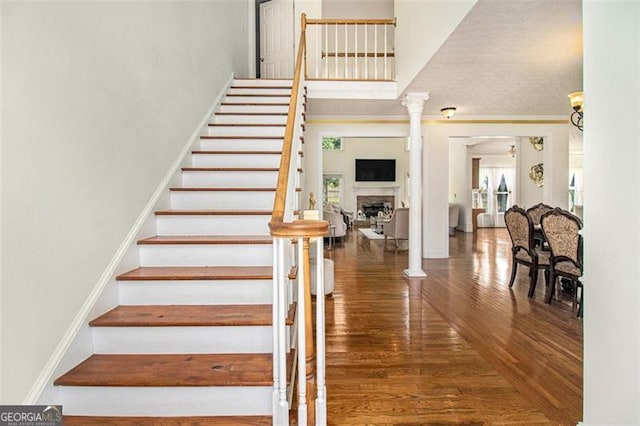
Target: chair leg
(580, 302)
(395, 241)
(552, 286)
(534, 279)
(385, 243)
(514, 267)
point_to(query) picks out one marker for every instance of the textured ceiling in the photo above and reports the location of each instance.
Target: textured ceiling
(506, 57)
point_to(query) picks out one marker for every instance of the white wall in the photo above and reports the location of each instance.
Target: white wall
(426, 24)
(360, 9)
(436, 134)
(343, 163)
(529, 193)
(99, 98)
(436, 170)
(611, 198)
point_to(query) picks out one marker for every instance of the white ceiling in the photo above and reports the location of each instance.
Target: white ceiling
(506, 57)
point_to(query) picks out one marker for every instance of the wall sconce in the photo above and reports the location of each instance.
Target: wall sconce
(448, 112)
(577, 103)
(512, 151)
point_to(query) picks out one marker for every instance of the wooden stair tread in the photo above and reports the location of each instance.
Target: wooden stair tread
(252, 113)
(161, 370)
(185, 316)
(207, 239)
(220, 189)
(260, 87)
(245, 125)
(235, 152)
(171, 273)
(258, 95)
(251, 137)
(230, 169)
(255, 103)
(213, 213)
(168, 421)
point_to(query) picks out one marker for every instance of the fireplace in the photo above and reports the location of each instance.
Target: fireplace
(373, 197)
(370, 205)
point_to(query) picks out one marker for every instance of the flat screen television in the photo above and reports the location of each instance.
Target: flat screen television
(375, 170)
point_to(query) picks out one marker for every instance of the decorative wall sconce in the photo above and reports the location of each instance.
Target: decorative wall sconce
(577, 103)
(536, 173)
(537, 142)
(448, 112)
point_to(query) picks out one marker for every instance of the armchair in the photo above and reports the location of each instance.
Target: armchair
(336, 223)
(398, 227)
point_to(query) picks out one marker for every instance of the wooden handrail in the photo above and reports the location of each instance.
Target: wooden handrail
(285, 159)
(352, 21)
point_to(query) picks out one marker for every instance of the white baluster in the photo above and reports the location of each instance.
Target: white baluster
(355, 58)
(276, 328)
(366, 58)
(326, 50)
(317, 30)
(346, 51)
(385, 51)
(375, 51)
(335, 53)
(321, 399)
(302, 349)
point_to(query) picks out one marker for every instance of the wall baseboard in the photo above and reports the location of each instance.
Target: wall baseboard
(74, 338)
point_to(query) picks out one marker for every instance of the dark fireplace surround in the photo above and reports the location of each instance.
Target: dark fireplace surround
(370, 205)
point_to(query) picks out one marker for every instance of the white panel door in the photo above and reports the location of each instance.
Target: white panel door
(276, 39)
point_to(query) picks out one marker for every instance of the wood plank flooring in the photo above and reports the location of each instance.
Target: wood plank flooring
(458, 347)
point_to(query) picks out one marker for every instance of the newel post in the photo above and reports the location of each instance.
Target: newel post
(414, 102)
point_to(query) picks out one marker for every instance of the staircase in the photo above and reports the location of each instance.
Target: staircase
(191, 341)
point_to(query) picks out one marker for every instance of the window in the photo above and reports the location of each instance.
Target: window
(332, 143)
(502, 194)
(332, 187)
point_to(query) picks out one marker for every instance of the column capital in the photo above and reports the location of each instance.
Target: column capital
(414, 101)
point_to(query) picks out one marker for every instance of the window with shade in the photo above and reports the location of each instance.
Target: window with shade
(332, 189)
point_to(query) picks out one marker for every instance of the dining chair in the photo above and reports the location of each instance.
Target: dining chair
(536, 212)
(561, 230)
(523, 250)
(397, 228)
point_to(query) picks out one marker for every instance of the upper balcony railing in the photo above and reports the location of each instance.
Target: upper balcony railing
(350, 49)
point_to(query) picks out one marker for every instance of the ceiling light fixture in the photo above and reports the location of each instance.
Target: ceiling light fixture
(512, 151)
(448, 112)
(577, 103)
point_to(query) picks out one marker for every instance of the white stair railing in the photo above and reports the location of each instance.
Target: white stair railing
(350, 49)
(287, 232)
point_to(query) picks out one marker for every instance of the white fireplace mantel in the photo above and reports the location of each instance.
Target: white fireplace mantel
(394, 190)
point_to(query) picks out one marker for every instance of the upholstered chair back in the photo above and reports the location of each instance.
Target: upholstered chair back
(536, 212)
(562, 232)
(520, 228)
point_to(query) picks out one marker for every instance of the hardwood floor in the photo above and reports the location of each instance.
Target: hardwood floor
(458, 347)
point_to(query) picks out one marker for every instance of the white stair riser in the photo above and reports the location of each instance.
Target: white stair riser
(230, 179)
(183, 340)
(276, 131)
(193, 292)
(213, 225)
(206, 255)
(241, 144)
(261, 82)
(166, 401)
(256, 99)
(222, 200)
(235, 160)
(255, 108)
(259, 91)
(250, 119)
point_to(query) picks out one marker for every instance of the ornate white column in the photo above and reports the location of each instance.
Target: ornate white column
(414, 102)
